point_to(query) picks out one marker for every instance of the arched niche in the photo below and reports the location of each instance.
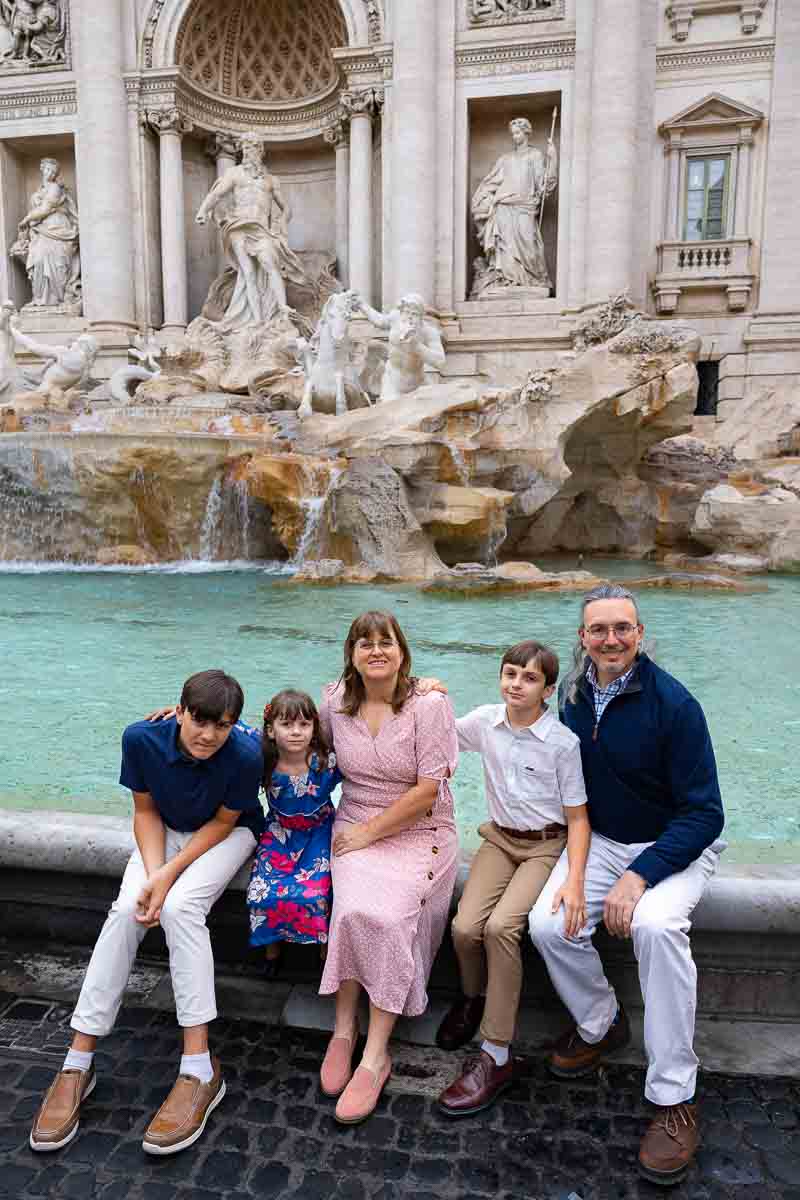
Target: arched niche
(166, 19)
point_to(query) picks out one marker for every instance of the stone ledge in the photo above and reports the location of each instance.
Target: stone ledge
(740, 899)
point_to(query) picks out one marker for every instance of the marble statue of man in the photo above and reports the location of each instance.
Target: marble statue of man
(48, 241)
(66, 367)
(414, 343)
(9, 372)
(253, 222)
(506, 208)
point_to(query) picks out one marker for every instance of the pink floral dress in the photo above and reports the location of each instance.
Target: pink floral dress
(391, 900)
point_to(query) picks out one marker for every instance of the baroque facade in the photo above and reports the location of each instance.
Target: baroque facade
(667, 162)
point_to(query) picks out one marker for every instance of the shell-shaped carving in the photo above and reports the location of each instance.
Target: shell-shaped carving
(270, 51)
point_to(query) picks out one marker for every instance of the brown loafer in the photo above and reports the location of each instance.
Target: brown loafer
(182, 1117)
(572, 1057)
(670, 1144)
(57, 1120)
(460, 1024)
(478, 1086)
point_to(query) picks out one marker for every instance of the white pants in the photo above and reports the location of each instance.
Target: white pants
(183, 919)
(667, 974)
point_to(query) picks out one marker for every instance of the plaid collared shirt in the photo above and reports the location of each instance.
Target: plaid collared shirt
(604, 696)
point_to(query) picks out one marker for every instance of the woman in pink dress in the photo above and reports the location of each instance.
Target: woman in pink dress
(395, 852)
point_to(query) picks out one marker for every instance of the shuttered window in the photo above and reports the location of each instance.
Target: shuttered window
(706, 198)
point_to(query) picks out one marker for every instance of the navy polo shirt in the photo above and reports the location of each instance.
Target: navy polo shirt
(187, 791)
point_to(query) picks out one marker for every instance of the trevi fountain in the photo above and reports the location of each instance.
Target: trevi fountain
(314, 304)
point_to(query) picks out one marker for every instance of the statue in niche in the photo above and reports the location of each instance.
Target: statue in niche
(33, 32)
(331, 367)
(507, 207)
(254, 234)
(414, 343)
(67, 369)
(48, 243)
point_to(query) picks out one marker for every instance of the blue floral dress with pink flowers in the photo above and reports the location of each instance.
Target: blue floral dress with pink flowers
(289, 895)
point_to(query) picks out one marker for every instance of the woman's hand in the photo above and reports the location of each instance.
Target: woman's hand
(572, 896)
(355, 837)
(160, 714)
(430, 684)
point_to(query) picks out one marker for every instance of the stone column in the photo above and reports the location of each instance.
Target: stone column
(361, 105)
(223, 148)
(103, 166)
(613, 165)
(413, 200)
(171, 127)
(338, 136)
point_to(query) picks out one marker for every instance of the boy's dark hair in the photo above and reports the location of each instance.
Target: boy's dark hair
(287, 705)
(545, 658)
(211, 695)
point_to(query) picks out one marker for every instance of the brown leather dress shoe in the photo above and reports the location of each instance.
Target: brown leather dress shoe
(478, 1086)
(182, 1117)
(572, 1057)
(460, 1024)
(57, 1120)
(670, 1144)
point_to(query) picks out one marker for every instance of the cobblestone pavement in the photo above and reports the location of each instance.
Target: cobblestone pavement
(274, 1136)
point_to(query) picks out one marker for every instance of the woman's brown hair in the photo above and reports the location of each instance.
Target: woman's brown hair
(369, 623)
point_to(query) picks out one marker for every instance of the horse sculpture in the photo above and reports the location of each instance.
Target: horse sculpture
(332, 371)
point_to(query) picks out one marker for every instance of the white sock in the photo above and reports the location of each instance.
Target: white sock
(78, 1060)
(498, 1053)
(198, 1065)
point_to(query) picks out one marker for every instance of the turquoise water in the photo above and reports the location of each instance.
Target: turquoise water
(87, 652)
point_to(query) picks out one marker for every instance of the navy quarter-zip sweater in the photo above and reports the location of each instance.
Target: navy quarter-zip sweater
(649, 769)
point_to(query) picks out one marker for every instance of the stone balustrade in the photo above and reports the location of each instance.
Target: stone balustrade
(722, 265)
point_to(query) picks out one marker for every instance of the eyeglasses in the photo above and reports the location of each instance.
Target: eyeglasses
(623, 629)
(385, 644)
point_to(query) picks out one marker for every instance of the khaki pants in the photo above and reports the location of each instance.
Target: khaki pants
(504, 883)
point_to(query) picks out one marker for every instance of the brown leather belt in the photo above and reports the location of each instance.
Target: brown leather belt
(533, 835)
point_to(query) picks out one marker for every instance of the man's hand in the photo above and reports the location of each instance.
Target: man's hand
(152, 897)
(620, 903)
(572, 896)
(356, 837)
(160, 714)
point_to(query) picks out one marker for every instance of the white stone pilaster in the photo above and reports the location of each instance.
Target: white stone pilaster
(361, 105)
(614, 167)
(103, 165)
(581, 139)
(781, 249)
(741, 227)
(673, 153)
(414, 191)
(171, 126)
(338, 136)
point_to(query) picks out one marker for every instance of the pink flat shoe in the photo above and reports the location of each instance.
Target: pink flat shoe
(362, 1093)
(337, 1065)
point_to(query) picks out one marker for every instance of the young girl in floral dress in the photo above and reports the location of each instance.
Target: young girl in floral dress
(289, 895)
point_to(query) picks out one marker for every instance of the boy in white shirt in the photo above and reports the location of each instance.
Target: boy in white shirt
(537, 805)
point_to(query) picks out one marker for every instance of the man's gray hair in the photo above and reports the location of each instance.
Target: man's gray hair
(568, 688)
(609, 591)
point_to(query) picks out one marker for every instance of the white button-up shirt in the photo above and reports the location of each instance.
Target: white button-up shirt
(531, 774)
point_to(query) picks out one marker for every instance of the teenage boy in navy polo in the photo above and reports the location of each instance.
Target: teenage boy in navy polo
(197, 819)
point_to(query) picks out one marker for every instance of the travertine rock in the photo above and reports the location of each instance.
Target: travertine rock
(766, 524)
(756, 426)
(462, 521)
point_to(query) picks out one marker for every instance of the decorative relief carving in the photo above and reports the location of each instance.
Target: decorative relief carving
(337, 135)
(150, 31)
(517, 59)
(33, 34)
(277, 53)
(502, 12)
(358, 102)
(722, 56)
(169, 121)
(374, 20)
(681, 14)
(19, 106)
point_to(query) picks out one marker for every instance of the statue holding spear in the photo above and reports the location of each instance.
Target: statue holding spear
(508, 207)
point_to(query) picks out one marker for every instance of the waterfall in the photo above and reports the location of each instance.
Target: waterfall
(313, 508)
(211, 529)
(493, 543)
(242, 512)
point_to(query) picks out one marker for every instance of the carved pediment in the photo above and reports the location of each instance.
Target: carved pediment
(713, 112)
